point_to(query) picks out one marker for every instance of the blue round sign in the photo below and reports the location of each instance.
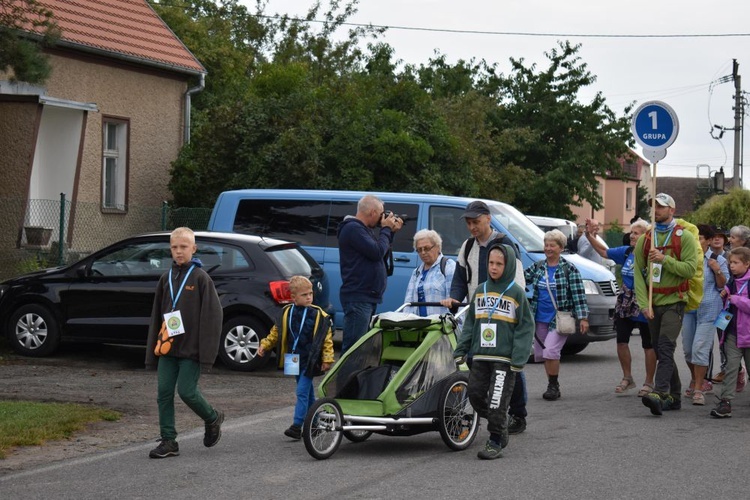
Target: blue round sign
(655, 126)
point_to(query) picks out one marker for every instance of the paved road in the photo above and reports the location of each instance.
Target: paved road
(591, 444)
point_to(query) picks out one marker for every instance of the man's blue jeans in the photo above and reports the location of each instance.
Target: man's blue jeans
(357, 317)
(305, 398)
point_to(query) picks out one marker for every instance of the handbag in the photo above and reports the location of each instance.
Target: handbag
(564, 320)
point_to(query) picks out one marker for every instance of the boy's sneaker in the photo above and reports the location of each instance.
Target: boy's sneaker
(294, 432)
(722, 410)
(166, 448)
(669, 403)
(552, 393)
(708, 387)
(213, 430)
(516, 425)
(741, 380)
(490, 451)
(653, 401)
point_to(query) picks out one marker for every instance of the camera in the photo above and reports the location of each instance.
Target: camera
(388, 213)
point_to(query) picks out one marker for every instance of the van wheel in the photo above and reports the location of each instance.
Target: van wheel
(240, 341)
(34, 331)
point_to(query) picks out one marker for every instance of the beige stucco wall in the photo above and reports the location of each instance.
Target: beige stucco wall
(151, 100)
(153, 103)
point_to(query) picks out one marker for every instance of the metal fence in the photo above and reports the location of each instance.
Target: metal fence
(31, 231)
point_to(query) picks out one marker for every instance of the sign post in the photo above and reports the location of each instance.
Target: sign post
(655, 128)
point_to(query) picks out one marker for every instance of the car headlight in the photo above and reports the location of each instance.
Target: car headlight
(3, 289)
(590, 287)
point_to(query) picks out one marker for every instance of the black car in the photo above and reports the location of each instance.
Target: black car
(107, 297)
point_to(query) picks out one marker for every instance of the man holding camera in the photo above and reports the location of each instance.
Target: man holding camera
(363, 269)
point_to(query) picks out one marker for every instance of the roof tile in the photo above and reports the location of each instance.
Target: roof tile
(126, 27)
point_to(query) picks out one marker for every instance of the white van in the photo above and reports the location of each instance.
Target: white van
(311, 217)
(570, 230)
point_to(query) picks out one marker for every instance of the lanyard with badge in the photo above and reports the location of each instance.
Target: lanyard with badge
(489, 330)
(722, 322)
(291, 359)
(173, 319)
(656, 267)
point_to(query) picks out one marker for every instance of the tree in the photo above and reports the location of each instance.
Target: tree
(561, 145)
(26, 27)
(724, 210)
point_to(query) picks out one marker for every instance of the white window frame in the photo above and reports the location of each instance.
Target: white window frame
(115, 164)
(628, 199)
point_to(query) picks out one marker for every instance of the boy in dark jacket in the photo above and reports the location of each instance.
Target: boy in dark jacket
(498, 332)
(184, 338)
(307, 346)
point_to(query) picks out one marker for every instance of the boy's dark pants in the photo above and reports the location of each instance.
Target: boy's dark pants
(490, 388)
(183, 373)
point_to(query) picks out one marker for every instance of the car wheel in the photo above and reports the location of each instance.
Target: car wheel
(34, 331)
(240, 340)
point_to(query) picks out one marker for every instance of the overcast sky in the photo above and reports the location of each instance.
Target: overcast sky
(676, 70)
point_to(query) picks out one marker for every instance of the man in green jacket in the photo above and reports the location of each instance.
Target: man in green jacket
(669, 262)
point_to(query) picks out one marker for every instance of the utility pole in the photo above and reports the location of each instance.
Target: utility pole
(738, 110)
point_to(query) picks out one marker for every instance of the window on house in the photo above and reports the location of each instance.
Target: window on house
(629, 199)
(114, 164)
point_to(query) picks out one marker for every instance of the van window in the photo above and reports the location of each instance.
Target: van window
(291, 220)
(403, 241)
(450, 226)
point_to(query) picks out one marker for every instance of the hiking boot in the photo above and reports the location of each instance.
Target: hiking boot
(166, 448)
(490, 451)
(670, 403)
(516, 425)
(741, 380)
(213, 430)
(722, 410)
(294, 432)
(653, 401)
(552, 393)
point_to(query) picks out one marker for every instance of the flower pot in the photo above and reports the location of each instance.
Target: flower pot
(37, 235)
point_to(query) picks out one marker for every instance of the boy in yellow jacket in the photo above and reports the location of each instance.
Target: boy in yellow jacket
(307, 346)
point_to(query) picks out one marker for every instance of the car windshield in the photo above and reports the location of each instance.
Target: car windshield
(526, 232)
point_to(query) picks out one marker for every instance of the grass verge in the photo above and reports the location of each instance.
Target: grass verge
(24, 423)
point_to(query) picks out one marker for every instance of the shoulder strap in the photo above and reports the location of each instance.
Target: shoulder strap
(674, 243)
(467, 249)
(443, 261)
(628, 251)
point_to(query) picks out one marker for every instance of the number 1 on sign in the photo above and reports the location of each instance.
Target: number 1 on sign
(652, 115)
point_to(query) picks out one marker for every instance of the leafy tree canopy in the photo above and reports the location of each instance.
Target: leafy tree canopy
(293, 103)
(725, 210)
(20, 51)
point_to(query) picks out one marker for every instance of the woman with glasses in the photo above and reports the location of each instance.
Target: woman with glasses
(431, 280)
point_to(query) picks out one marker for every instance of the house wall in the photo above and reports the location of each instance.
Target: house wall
(152, 102)
(18, 123)
(580, 214)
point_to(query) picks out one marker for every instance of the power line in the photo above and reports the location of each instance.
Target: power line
(519, 33)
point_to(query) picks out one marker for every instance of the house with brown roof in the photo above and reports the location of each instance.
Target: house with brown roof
(104, 128)
(619, 193)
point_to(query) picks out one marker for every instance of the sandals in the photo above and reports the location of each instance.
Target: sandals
(646, 389)
(625, 384)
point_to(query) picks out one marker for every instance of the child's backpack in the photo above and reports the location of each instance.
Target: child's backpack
(693, 286)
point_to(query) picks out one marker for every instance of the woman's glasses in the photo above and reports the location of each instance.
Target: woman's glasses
(425, 249)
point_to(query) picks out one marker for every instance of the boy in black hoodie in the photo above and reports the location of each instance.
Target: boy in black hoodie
(498, 332)
(184, 338)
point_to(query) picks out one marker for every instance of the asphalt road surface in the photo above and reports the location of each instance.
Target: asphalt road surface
(590, 444)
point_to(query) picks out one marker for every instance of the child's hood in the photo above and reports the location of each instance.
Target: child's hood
(509, 272)
(744, 278)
